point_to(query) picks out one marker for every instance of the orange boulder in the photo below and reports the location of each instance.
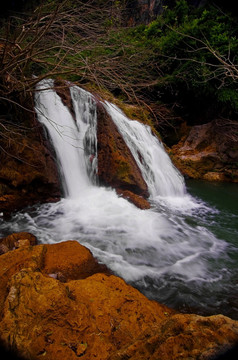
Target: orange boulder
(94, 315)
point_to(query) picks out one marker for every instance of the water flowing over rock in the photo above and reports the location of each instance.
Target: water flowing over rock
(100, 144)
(29, 174)
(57, 302)
(116, 165)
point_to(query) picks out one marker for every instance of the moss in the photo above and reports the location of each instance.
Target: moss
(123, 171)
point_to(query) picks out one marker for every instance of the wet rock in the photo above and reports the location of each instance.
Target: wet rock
(94, 315)
(69, 261)
(14, 261)
(116, 165)
(90, 317)
(63, 90)
(137, 200)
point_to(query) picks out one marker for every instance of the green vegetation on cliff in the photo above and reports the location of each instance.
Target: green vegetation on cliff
(195, 51)
(186, 57)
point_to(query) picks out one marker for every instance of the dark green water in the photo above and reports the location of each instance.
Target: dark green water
(223, 223)
(224, 198)
(217, 290)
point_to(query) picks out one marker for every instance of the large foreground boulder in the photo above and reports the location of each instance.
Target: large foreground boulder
(57, 302)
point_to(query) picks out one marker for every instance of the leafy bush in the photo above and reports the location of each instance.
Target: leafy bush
(196, 51)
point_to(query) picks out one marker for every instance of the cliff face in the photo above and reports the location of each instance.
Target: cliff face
(57, 302)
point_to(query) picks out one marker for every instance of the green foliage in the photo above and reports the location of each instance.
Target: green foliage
(184, 53)
(196, 51)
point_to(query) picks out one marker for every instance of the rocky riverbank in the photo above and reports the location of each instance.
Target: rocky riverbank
(58, 302)
(208, 151)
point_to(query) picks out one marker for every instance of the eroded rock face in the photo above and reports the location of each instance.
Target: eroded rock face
(209, 152)
(184, 337)
(93, 314)
(116, 165)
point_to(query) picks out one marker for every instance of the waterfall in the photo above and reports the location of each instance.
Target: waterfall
(161, 176)
(75, 142)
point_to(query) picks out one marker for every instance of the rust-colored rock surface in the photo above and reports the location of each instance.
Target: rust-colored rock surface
(67, 260)
(92, 315)
(209, 152)
(63, 90)
(135, 199)
(184, 337)
(116, 165)
(71, 261)
(16, 240)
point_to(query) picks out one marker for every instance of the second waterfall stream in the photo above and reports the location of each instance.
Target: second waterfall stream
(165, 251)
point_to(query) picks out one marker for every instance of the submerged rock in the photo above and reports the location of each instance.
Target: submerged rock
(93, 314)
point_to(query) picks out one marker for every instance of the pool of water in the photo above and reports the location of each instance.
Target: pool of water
(217, 291)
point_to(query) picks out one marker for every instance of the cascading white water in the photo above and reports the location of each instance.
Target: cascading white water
(166, 251)
(157, 169)
(86, 118)
(74, 140)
